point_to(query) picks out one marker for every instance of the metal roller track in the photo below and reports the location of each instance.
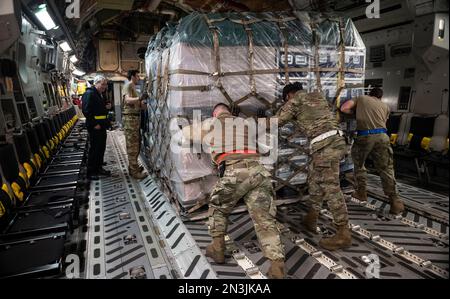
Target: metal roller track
(174, 237)
(422, 203)
(409, 246)
(121, 240)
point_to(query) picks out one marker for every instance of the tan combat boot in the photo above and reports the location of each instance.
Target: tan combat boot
(216, 250)
(360, 195)
(310, 220)
(342, 239)
(397, 206)
(138, 175)
(276, 270)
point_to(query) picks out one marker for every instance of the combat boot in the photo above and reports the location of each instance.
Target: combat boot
(276, 270)
(360, 195)
(138, 175)
(397, 206)
(310, 220)
(216, 250)
(342, 239)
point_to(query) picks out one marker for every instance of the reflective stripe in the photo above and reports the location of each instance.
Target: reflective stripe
(98, 117)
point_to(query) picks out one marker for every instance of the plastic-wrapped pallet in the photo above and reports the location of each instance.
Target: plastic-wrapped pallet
(243, 59)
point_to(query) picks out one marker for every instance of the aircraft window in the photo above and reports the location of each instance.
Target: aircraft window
(23, 63)
(32, 107)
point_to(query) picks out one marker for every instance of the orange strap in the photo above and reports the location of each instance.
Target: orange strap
(244, 152)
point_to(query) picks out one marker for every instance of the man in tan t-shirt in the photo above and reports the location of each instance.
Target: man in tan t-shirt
(371, 117)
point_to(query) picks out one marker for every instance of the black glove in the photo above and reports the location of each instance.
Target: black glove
(235, 110)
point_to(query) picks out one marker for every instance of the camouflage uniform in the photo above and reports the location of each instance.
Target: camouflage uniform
(252, 183)
(132, 123)
(245, 178)
(313, 117)
(379, 148)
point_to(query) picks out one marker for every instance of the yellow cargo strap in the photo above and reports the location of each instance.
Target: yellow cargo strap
(25, 179)
(410, 136)
(52, 145)
(99, 117)
(34, 162)
(394, 139)
(46, 152)
(17, 192)
(425, 143)
(2, 210)
(29, 169)
(38, 160)
(8, 191)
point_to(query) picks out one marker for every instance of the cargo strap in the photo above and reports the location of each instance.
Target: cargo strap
(251, 55)
(282, 27)
(315, 40)
(267, 71)
(341, 72)
(216, 55)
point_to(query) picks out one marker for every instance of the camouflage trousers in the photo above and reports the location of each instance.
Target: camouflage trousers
(132, 125)
(378, 148)
(253, 184)
(324, 182)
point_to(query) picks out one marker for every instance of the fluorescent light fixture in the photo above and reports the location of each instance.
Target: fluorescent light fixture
(78, 73)
(74, 59)
(65, 47)
(44, 17)
(441, 33)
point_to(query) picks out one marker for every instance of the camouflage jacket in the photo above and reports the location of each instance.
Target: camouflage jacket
(227, 137)
(310, 112)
